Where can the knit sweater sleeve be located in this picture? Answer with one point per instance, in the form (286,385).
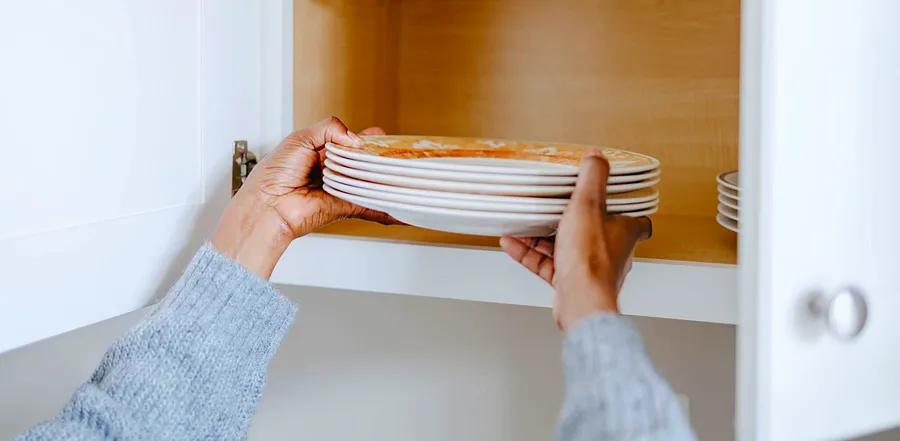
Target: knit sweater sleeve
(613,392)
(194,368)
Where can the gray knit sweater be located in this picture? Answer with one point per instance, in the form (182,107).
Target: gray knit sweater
(195,367)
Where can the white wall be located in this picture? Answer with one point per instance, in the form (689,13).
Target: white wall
(378,367)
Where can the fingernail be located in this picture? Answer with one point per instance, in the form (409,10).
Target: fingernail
(504,241)
(356,139)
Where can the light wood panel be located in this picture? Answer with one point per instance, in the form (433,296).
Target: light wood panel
(345,62)
(687,238)
(656,77)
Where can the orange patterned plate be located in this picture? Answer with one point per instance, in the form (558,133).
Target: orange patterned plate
(487,155)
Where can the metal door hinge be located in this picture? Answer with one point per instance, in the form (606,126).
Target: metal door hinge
(241,165)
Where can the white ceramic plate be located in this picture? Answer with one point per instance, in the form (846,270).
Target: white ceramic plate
(462,187)
(729,202)
(444,202)
(337,155)
(733,194)
(486,155)
(632,197)
(634,177)
(729,180)
(347,180)
(482,223)
(474,165)
(730,224)
(479,188)
(639,213)
(475,205)
(425,173)
(728,212)
(633,209)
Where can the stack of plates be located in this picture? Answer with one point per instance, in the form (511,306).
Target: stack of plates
(729,200)
(481,186)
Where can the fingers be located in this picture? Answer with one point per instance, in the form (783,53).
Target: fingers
(639,228)
(539,244)
(644,227)
(590,189)
(376,216)
(342,209)
(367,131)
(373,131)
(328,130)
(623,233)
(532,255)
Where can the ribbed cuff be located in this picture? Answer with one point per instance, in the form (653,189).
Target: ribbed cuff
(604,342)
(199,359)
(219,298)
(612,389)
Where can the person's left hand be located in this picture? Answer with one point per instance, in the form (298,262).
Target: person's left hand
(282,200)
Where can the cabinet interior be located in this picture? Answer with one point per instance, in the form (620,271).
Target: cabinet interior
(656,77)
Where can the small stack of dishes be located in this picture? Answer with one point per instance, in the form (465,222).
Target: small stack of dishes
(729,200)
(489,187)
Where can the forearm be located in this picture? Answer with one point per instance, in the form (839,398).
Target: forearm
(194,368)
(613,392)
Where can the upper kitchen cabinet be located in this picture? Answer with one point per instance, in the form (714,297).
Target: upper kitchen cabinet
(118,120)
(820,248)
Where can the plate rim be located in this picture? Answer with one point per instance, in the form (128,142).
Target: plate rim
(511,190)
(356,182)
(623,209)
(461,176)
(726,201)
(724,221)
(720,178)
(735,196)
(524,208)
(654,163)
(565,169)
(335,175)
(338,155)
(472,214)
(500,189)
(734,217)
(640,213)
(535,217)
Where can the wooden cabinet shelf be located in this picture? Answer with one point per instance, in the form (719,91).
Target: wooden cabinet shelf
(686,238)
(657,78)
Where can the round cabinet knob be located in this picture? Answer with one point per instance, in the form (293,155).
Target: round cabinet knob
(844,312)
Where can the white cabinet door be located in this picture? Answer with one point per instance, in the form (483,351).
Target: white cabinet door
(116,123)
(820,150)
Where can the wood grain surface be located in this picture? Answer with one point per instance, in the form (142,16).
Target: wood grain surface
(656,77)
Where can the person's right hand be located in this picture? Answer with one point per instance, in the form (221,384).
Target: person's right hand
(588,259)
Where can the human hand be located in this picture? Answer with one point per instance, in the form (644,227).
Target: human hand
(282,200)
(587,261)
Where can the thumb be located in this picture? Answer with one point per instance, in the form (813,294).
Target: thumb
(328,130)
(590,189)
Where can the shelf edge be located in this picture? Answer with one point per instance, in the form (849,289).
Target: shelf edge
(693,291)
